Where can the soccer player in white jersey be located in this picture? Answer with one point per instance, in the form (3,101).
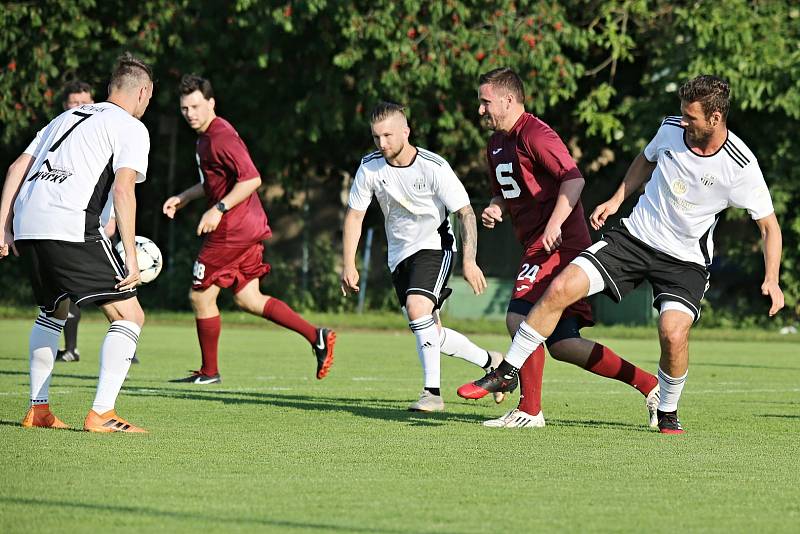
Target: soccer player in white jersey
(694,168)
(50,214)
(417,190)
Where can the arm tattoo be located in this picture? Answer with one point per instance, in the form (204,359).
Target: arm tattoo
(469,233)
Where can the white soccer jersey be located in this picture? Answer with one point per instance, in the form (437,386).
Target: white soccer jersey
(415,201)
(75,160)
(684,198)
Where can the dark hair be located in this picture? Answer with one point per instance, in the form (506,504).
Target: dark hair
(507,79)
(75,86)
(192,82)
(384,110)
(712,92)
(130,71)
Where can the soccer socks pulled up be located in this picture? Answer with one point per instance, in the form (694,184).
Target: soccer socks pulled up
(208,331)
(671,389)
(116,353)
(458,345)
(605,362)
(42,347)
(530,382)
(280,313)
(427,335)
(526,340)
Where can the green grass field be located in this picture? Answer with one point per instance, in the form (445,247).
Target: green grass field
(273,449)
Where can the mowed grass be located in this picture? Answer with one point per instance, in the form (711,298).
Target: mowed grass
(273,449)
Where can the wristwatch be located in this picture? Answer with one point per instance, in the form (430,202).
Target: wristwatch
(221,207)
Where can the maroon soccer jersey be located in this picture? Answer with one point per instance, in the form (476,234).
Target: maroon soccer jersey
(527,167)
(224,161)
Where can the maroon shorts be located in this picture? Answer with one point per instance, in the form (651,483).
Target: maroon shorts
(537,269)
(229,267)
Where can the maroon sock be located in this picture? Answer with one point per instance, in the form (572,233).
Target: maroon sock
(208,334)
(605,362)
(280,313)
(530,382)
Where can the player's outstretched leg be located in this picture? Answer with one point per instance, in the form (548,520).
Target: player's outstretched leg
(118,348)
(43,343)
(457,345)
(528,414)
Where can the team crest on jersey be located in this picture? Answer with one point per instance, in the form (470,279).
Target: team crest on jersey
(420,184)
(708,179)
(679,187)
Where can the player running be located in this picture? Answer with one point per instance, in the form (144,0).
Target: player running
(82,155)
(536,181)
(694,168)
(416,190)
(233,229)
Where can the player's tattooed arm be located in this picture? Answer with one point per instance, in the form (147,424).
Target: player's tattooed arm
(469,249)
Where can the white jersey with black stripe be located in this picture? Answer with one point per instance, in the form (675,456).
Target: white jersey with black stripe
(75,159)
(687,192)
(415,201)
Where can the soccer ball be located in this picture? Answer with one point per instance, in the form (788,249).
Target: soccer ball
(147,255)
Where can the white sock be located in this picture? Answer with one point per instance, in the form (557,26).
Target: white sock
(427,336)
(116,353)
(42,348)
(526,340)
(671,389)
(457,345)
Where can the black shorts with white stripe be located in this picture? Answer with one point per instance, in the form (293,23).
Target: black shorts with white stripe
(83,272)
(426,273)
(625,262)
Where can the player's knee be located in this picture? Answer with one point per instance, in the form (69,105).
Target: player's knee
(673,334)
(417,306)
(560,293)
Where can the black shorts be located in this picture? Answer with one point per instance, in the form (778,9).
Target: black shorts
(82,272)
(624,262)
(425,272)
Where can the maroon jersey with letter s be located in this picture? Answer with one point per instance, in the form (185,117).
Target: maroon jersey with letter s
(224,161)
(527,167)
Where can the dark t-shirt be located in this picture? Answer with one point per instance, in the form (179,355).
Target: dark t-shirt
(224,160)
(527,167)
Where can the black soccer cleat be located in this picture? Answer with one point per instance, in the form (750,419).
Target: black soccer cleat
(68,356)
(668,423)
(199,378)
(492,382)
(323,351)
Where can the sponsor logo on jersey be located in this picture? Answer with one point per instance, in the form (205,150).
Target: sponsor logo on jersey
(708,179)
(49,174)
(420,184)
(496,151)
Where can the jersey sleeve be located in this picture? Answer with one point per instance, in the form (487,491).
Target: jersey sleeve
(751,193)
(131,149)
(31,149)
(550,151)
(651,150)
(232,150)
(449,188)
(360,191)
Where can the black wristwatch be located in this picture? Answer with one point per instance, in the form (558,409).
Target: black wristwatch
(221,207)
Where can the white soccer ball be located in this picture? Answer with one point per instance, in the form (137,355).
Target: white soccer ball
(148,256)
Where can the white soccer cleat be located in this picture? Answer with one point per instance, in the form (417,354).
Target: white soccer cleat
(496,358)
(651,402)
(516,418)
(428,402)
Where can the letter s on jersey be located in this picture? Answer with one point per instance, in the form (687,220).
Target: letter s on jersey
(504,172)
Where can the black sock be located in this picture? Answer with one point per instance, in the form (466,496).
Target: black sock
(488,361)
(506,368)
(71,328)
(434,391)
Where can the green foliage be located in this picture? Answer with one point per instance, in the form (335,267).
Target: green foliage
(298,79)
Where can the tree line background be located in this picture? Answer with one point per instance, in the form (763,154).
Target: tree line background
(298,80)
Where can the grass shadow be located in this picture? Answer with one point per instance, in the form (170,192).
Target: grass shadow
(744,366)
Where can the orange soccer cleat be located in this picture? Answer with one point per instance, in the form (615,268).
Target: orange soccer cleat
(109,422)
(41,416)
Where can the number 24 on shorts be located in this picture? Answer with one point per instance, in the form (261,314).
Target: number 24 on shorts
(528,272)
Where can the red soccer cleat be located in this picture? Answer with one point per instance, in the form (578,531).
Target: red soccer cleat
(492,382)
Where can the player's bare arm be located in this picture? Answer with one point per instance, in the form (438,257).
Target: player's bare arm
(16,173)
(351,234)
(469,250)
(638,173)
(242,190)
(176,202)
(569,193)
(125,213)
(773,247)
(493,213)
